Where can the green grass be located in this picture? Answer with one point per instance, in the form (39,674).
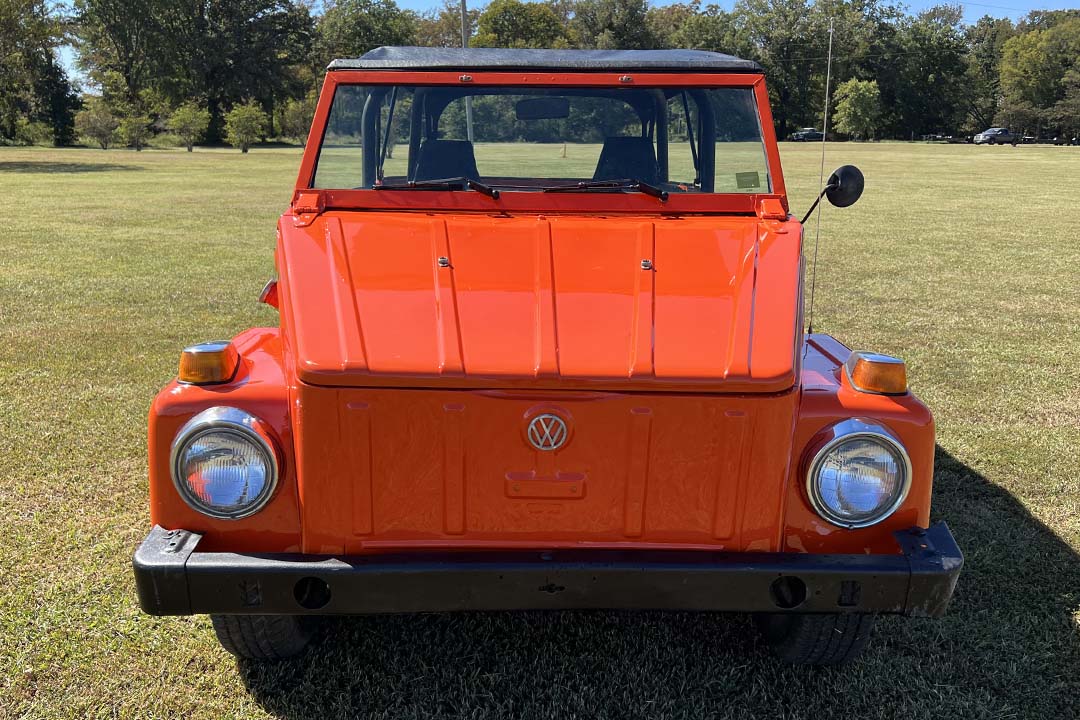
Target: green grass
(963,260)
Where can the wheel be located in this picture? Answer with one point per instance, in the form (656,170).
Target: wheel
(263,637)
(830,639)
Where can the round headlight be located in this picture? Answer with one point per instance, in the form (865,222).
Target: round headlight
(860,476)
(224,463)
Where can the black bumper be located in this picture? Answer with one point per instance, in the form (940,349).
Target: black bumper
(173,578)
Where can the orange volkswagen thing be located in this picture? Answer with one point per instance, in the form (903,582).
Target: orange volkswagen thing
(541,346)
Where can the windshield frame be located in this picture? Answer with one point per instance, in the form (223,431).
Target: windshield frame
(510,200)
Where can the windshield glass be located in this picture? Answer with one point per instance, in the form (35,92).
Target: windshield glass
(684,140)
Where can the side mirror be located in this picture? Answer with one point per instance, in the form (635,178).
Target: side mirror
(845,186)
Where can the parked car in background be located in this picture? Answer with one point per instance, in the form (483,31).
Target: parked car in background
(997,136)
(1065,140)
(806,135)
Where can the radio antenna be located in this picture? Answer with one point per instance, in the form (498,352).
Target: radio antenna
(821,182)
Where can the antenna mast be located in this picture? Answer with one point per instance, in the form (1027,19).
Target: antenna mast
(821,181)
(465,44)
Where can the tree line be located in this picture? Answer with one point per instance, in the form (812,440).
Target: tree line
(242,70)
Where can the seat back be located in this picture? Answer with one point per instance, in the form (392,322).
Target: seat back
(627,157)
(438,159)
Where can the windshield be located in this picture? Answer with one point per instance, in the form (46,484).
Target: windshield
(683,140)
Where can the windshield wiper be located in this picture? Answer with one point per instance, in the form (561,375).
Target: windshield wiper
(456,183)
(627,184)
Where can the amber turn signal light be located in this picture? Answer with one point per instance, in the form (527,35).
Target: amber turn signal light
(208,363)
(874,373)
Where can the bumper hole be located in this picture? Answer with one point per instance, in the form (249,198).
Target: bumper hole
(787,592)
(311,593)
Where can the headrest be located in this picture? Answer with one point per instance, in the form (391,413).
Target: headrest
(627,157)
(438,159)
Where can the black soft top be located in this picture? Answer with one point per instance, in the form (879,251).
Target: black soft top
(429,58)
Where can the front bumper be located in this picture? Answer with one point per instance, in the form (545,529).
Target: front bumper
(173,578)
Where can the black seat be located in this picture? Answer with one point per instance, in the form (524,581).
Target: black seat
(627,158)
(438,159)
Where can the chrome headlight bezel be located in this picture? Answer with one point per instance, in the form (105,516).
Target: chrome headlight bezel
(846,431)
(234,421)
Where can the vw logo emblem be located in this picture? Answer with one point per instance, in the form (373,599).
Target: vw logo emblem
(548,432)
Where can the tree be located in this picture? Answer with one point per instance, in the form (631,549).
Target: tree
(350,28)
(1066,112)
(33,86)
(518,24)
(921,74)
(612,24)
(1018,114)
(713,29)
(97,122)
(666,22)
(858,108)
(53,99)
(245,124)
(25,28)
(1036,70)
(257,49)
(29,132)
(786,37)
(442,27)
(124,37)
(224,51)
(1046,19)
(189,121)
(296,117)
(1028,73)
(985,45)
(933,73)
(790,39)
(135,130)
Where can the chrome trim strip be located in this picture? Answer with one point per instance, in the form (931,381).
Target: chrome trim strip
(238,422)
(850,429)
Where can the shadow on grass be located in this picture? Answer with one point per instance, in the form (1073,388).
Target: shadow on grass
(46,166)
(1009,647)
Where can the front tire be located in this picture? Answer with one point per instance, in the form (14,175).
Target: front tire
(263,637)
(829,639)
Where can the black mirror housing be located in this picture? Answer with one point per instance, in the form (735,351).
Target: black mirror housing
(845,186)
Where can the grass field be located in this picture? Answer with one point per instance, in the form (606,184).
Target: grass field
(964,260)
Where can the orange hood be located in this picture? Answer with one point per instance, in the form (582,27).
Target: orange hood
(609,303)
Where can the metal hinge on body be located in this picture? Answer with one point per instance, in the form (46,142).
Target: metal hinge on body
(771,209)
(306,206)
